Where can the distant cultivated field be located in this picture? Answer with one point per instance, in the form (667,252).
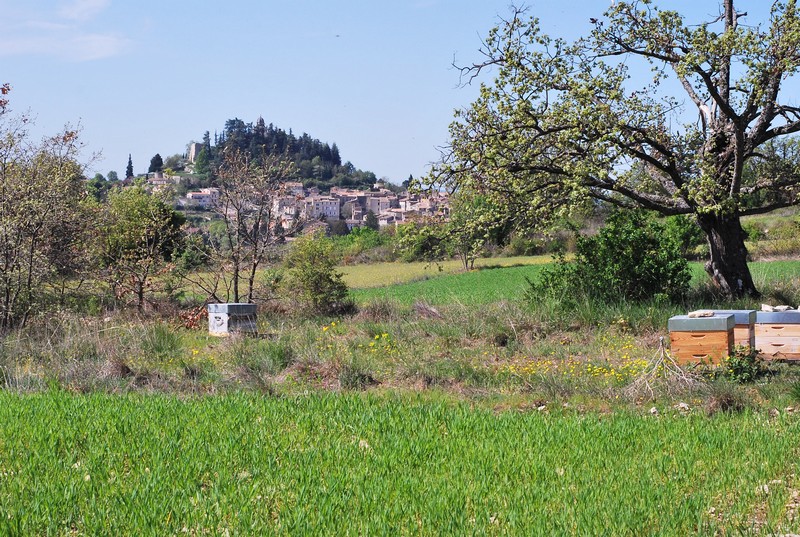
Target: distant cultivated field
(359,464)
(486,285)
(383,274)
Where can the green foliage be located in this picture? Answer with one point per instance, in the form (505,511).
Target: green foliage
(315,163)
(142,224)
(97,187)
(160,342)
(156,164)
(140,235)
(263,357)
(365,238)
(312,279)
(474,223)
(417,241)
(631,258)
(685,232)
(202,163)
(564,124)
(363,244)
(174,162)
(755,231)
(43,219)
(744,365)
(794,391)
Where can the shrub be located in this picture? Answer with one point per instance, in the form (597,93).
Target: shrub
(754,230)
(744,365)
(312,279)
(419,242)
(631,258)
(363,245)
(686,233)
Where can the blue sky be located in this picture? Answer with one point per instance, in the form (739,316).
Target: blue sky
(145,77)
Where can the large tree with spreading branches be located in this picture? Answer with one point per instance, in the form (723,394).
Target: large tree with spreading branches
(705,129)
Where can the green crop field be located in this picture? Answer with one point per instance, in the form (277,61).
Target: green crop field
(376,464)
(488,285)
(476,287)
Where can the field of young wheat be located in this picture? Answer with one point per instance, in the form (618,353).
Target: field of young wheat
(385,464)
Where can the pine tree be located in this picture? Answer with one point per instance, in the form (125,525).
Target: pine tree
(129,169)
(335,157)
(156,164)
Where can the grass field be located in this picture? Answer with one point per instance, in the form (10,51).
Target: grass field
(384,274)
(480,286)
(489,284)
(385,465)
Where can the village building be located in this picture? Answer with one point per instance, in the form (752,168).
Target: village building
(204,198)
(316,207)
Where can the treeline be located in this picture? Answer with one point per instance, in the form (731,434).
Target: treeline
(316,163)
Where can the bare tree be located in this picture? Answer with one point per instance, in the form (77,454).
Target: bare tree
(251,229)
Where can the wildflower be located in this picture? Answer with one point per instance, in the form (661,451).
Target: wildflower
(324,328)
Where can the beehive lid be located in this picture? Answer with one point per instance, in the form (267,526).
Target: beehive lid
(717,323)
(740,316)
(782,317)
(233,308)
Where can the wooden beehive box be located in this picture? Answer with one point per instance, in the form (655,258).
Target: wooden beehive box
(701,339)
(744,332)
(778,334)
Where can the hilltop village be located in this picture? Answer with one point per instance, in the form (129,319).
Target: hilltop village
(353,206)
(292,202)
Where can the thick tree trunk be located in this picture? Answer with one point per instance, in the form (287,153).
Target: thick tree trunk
(728,264)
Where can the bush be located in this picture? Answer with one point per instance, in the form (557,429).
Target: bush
(687,234)
(364,244)
(744,365)
(631,258)
(312,280)
(420,242)
(754,231)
